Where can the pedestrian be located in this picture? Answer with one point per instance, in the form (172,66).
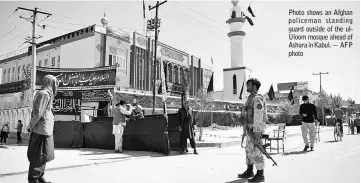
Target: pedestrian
(357,122)
(41,142)
(127,107)
(351,120)
(5,131)
(119,122)
(19,129)
(339,115)
(255,115)
(308,113)
(138,112)
(186,128)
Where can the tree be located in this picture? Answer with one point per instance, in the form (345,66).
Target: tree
(26,84)
(285,109)
(323,100)
(202,101)
(336,100)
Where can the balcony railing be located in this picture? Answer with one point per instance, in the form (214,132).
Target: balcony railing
(14,53)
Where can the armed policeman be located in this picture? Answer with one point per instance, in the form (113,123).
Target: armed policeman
(255,115)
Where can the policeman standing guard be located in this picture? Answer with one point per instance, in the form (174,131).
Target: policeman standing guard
(255,114)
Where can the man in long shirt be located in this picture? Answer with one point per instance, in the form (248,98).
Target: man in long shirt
(187,128)
(119,123)
(41,143)
(19,129)
(255,114)
(308,113)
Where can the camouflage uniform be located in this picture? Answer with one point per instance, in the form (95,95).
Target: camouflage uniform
(256,117)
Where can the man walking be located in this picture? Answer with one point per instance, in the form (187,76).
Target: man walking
(187,128)
(41,143)
(256,117)
(119,123)
(357,122)
(19,129)
(308,113)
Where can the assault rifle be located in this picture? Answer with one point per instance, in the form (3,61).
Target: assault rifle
(252,136)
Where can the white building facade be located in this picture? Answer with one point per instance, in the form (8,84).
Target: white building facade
(90,47)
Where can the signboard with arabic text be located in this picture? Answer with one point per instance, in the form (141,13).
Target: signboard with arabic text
(95,95)
(286,86)
(65,102)
(292,86)
(79,77)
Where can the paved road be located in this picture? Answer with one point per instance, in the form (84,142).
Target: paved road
(330,162)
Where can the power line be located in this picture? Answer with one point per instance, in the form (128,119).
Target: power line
(13,34)
(201,14)
(12,40)
(200,21)
(218,22)
(222,25)
(67,23)
(224,38)
(57,27)
(67,16)
(7,17)
(8,33)
(74,18)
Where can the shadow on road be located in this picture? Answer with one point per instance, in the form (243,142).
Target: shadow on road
(5,147)
(116,158)
(295,153)
(238,181)
(330,141)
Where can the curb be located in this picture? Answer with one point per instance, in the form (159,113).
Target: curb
(238,142)
(81,165)
(217,144)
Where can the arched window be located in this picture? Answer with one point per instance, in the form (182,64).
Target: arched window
(176,74)
(181,70)
(157,70)
(234,84)
(170,73)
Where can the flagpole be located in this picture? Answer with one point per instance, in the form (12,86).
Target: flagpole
(213,89)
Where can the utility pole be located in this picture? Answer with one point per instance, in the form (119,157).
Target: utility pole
(154,24)
(320,73)
(33,50)
(323,109)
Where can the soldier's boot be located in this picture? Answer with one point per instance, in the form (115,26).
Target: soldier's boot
(195,151)
(259,177)
(248,173)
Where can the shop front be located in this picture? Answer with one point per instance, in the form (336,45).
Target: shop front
(82,93)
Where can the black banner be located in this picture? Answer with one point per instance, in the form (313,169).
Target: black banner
(65,102)
(13,87)
(79,77)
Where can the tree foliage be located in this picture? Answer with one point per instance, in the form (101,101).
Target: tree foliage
(323,100)
(202,101)
(285,116)
(26,84)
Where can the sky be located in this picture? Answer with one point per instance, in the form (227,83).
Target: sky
(199,28)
